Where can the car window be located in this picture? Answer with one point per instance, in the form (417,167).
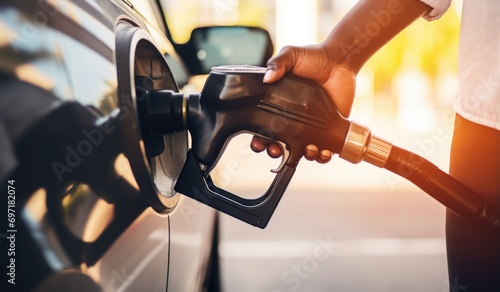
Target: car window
(184,15)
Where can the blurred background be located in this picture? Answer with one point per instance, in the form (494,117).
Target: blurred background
(343,227)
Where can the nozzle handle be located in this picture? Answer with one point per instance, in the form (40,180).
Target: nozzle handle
(193,183)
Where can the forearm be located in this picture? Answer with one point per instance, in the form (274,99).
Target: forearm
(368,26)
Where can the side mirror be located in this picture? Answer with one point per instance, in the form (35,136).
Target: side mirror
(225,45)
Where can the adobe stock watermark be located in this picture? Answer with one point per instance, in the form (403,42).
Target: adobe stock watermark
(293,277)
(119,278)
(480,98)
(226,10)
(75,155)
(483,93)
(92,138)
(372,28)
(277,124)
(426,147)
(30,28)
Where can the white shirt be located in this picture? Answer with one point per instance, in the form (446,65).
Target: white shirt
(478,98)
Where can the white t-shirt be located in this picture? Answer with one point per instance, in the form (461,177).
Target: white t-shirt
(478,98)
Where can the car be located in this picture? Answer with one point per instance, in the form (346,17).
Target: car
(88,193)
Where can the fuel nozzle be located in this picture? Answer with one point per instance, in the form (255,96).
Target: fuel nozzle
(235,100)
(293,111)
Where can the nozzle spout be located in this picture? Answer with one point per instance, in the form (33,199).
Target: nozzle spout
(167,112)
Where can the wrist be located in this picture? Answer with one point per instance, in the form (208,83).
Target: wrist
(342,56)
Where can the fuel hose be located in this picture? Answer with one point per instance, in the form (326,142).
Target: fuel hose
(444,188)
(361,145)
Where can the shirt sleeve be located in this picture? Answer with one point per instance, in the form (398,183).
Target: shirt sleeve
(439,7)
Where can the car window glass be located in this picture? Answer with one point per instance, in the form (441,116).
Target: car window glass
(184,15)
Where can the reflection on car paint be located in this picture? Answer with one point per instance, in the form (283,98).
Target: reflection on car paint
(30,53)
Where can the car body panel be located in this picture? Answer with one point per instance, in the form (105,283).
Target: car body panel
(61,57)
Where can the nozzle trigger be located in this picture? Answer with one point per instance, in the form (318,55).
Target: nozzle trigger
(284,159)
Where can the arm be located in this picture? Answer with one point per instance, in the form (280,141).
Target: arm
(368,26)
(335,62)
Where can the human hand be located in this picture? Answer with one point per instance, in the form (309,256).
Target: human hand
(321,66)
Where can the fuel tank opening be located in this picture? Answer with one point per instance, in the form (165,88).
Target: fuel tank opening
(162,120)
(161,113)
(156,160)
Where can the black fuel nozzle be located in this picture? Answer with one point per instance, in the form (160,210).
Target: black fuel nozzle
(295,112)
(234,100)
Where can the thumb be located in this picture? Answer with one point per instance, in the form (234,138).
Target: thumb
(278,65)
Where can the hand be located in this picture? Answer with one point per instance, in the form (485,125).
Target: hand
(321,66)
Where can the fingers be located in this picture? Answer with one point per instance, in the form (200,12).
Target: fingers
(312,153)
(280,64)
(259,144)
(270,76)
(324,156)
(274,150)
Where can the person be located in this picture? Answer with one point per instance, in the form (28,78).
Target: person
(473,251)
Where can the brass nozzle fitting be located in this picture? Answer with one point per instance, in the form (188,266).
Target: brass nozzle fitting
(361,145)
